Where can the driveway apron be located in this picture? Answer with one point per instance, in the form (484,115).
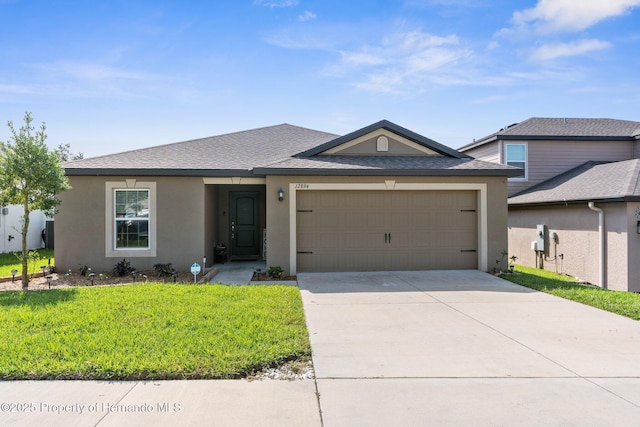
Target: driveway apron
(465,348)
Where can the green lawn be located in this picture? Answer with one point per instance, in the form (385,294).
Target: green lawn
(9,262)
(623,303)
(149,331)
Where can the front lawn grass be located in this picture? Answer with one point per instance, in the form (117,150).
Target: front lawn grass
(10,261)
(149,331)
(623,303)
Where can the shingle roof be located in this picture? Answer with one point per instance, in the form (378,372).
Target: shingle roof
(590,181)
(378,165)
(231,152)
(564,128)
(279,149)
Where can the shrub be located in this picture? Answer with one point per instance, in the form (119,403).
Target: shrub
(84,269)
(163,270)
(275,271)
(123,268)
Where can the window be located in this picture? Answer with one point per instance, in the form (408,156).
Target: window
(382,143)
(516,155)
(132,219)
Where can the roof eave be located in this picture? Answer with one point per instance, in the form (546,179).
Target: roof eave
(157,172)
(502,137)
(386,172)
(563,138)
(574,202)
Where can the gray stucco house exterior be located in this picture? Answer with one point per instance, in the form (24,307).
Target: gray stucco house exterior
(580,181)
(379,198)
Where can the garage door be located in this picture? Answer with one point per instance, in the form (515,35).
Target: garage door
(386,230)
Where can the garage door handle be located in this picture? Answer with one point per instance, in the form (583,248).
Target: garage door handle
(389,238)
(467,250)
(386,238)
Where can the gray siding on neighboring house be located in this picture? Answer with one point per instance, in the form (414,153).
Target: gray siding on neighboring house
(578,240)
(636,149)
(546,159)
(488,152)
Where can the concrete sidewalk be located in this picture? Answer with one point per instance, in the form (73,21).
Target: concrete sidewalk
(465,348)
(159,403)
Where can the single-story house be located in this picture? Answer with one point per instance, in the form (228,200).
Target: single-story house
(380,198)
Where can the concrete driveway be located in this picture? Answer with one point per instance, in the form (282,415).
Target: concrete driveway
(465,348)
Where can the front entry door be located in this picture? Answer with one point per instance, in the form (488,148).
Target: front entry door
(244,209)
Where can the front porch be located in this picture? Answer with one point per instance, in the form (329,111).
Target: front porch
(235,220)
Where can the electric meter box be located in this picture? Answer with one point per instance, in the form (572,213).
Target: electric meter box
(541,238)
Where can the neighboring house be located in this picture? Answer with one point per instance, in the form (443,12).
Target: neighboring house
(11,229)
(380,198)
(568,164)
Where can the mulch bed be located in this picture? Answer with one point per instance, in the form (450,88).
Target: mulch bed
(264,277)
(66,281)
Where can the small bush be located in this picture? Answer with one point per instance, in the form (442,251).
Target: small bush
(275,271)
(123,268)
(84,269)
(163,270)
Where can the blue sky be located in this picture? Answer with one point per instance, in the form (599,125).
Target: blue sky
(109,76)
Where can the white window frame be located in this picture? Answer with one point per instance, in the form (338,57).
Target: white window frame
(526,160)
(110,219)
(128,218)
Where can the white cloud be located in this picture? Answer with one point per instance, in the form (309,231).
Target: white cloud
(90,79)
(570,15)
(307,16)
(95,72)
(558,50)
(18,89)
(493,99)
(400,61)
(276,3)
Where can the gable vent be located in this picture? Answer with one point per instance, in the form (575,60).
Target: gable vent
(382,143)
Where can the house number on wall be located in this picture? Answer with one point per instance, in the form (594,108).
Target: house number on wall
(302,186)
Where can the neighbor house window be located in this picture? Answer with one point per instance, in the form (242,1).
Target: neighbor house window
(131,219)
(516,155)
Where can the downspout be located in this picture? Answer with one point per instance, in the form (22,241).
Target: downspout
(591,205)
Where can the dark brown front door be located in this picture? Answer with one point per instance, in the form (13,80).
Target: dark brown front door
(245,224)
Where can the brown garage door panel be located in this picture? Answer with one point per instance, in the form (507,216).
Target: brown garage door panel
(386,230)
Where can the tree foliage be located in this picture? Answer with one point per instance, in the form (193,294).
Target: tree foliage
(30,176)
(65,154)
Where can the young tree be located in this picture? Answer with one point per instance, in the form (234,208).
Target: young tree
(65,154)
(31,176)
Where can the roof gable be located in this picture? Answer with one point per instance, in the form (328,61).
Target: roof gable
(400,141)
